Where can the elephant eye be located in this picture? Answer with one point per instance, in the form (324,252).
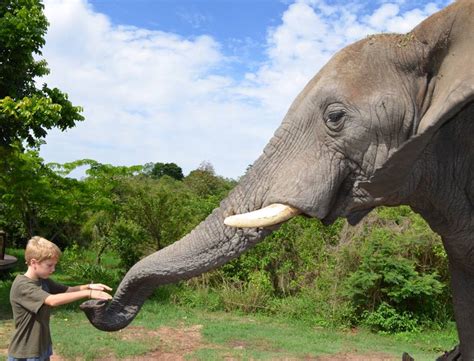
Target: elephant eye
(334,118)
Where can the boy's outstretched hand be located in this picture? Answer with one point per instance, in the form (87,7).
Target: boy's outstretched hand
(98,291)
(100,295)
(98,287)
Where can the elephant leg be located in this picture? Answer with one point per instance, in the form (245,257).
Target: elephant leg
(462,282)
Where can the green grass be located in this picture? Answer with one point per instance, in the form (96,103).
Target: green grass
(74,337)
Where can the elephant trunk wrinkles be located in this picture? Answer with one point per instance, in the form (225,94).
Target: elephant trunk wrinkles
(208,246)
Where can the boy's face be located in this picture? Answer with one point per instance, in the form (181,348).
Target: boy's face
(45,268)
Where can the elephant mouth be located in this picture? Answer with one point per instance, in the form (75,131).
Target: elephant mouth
(353,204)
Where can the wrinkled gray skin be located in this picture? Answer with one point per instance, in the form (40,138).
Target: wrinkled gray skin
(388,121)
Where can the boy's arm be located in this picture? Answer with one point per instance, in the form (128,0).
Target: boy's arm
(68,297)
(77,288)
(90,286)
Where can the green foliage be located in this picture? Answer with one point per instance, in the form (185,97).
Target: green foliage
(388,319)
(133,214)
(29,118)
(158,170)
(248,297)
(384,275)
(395,277)
(200,297)
(290,255)
(127,239)
(22,29)
(35,200)
(162,208)
(396,273)
(29,201)
(26,113)
(205,183)
(77,264)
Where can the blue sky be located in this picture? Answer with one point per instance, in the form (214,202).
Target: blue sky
(224,19)
(240,26)
(196,81)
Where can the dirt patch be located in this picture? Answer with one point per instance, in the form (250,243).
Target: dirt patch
(176,343)
(173,344)
(135,332)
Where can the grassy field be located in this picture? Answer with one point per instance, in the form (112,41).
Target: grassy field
(166,331)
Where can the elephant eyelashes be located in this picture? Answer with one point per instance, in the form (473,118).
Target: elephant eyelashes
(334,120)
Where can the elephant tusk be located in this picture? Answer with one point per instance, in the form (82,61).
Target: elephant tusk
(268,216)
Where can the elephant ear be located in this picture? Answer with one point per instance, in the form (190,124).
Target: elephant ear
(449,58)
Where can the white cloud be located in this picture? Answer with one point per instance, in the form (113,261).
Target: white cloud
(382,14)
(147,95)
(152,96)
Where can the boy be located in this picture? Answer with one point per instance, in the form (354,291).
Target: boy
(33,294)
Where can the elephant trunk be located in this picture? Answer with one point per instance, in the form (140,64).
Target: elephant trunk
(209,245)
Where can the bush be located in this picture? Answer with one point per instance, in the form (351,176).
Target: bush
(397,282)
(128,240)
(76,264)
(248,297)
(386,319)
(204,298)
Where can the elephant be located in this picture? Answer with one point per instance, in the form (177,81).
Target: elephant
(389,120)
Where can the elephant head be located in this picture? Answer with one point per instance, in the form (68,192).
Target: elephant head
(356,137)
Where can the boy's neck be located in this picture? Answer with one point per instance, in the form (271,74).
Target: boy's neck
(31,274)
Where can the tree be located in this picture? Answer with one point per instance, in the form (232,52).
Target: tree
(32,196)
(158,170)
(27,112)
(205,183)
(36,200)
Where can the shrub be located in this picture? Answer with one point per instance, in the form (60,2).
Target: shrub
(128,240)
(203,298)
(396,283)
(76,263)
(387,319)
(247,297)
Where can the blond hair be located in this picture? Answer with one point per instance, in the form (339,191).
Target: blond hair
(41,249)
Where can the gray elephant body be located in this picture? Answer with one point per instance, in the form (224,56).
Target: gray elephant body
(388,121)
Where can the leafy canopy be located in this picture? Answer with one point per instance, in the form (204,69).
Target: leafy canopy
(27,112)
(158,170)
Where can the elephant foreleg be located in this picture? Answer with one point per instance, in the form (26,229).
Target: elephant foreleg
(462,282)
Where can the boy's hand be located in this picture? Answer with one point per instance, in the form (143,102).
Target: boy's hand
(100,295)
(98,287)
